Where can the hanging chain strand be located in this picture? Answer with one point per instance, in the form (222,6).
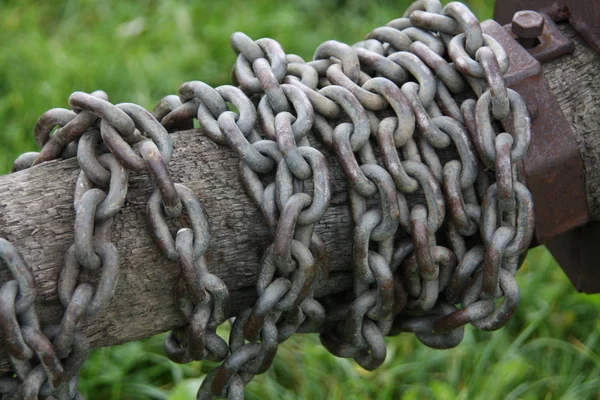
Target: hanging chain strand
(442,217)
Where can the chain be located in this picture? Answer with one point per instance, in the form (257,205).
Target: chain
(111,140)
(442,216)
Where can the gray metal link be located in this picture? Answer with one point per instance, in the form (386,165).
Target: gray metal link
(10,257)
(14,342)
(343,52)
(160,177)
(343,146)
(321,183)
(446,103)
(24,161)
(369,100)
(431,190)
(423,327)
(23,338)
(455,202)
(433,6)
(55,117)
(105,110)
(387,149)
(435,22)
(323,106)
(443,70)
(238,142)
(501,314)
(390,214)
(374,62)
(304,117)
(400,24)
(355,111)
(210,297)
(467,64)
(262,49)
(69,274)
(524,223)
(305,73)
(149,127)
(68,131)
(181,116)
(431,40)
(397,40)
(428,129)
(521,127)
(398,102)
(197,218)
(83,230)
(495,80)
(245,121)
(117,187)
(504,173)
(469,24)
(87,158)
(457,132)
(420,71)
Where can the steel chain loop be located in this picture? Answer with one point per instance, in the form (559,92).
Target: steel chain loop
(112,140)
(436,243)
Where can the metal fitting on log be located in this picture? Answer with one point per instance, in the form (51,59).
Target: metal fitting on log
(583,15)
(553,167)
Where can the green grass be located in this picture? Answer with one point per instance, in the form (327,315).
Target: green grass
(549,350)
(139,52)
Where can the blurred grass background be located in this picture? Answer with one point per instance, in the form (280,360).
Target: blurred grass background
(139,52)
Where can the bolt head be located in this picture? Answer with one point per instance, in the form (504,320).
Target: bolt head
(527,24)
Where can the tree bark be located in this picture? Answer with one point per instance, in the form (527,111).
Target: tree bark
(574,80)
(36,214)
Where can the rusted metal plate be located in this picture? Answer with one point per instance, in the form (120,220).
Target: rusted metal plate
(577,253)
(583,15)
(585,18)
(552,42)
(505,9)
(521,64)
(554,170)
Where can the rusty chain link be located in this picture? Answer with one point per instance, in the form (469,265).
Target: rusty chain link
(111,140)
(442,217)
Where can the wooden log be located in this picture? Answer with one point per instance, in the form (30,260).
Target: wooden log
(36,214)
(574,81)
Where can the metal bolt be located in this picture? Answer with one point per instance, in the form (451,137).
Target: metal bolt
(527,26)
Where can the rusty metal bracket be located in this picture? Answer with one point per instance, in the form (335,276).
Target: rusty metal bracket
(556,182)
(583,15)
(552,42)
(577,253)
(553,166)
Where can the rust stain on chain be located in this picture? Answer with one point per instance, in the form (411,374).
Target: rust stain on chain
(553,165)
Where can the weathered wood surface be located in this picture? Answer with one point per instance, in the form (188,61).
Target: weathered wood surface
(36,214)
(576,84)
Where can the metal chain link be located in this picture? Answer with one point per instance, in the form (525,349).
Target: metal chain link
(442,217)
(110,141)
(292,204)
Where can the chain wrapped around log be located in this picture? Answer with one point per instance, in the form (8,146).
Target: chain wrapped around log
(292,232)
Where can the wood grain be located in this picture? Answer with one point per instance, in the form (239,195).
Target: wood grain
(37,216)
(576,84)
